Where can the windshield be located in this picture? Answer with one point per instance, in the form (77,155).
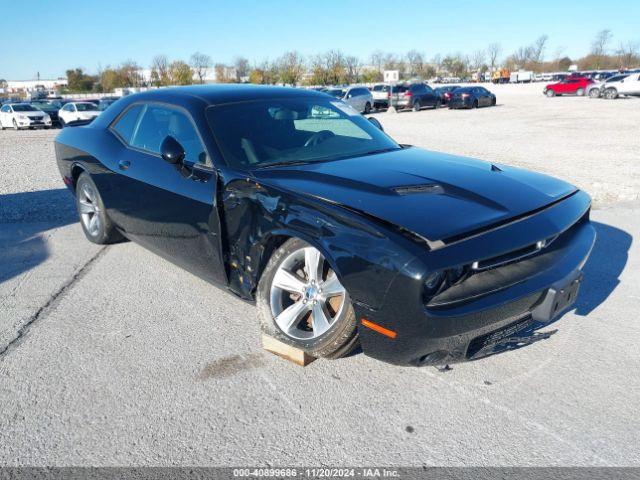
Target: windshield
(19,107)
(287,131)
(335,92)
(85,107)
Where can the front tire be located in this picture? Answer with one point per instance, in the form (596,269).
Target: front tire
(594,93)
(416,106)
(96,224)
(367,108)
(551,93)
(15,125)
(301,302)
(580,92)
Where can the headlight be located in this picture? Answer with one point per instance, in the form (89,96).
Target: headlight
(46,118)
(433,282)
(22,117)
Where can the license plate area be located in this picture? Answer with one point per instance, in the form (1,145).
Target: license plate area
(558,299)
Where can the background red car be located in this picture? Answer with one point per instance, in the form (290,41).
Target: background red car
(572,85)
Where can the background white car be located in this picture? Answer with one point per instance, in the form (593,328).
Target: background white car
(23,115)
(595,90)
(78,111)
(628,85)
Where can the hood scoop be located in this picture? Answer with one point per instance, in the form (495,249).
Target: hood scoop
(432,188)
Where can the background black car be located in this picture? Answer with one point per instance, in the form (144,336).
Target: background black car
(105,102)
(415,96)
(50,107)
(472,97)
(445,93)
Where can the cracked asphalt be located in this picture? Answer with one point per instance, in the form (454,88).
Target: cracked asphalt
(113,356)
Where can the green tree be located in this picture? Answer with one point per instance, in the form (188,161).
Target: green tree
(78,81)
(180,73)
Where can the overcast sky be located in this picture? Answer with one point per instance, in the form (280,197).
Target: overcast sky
(51,36)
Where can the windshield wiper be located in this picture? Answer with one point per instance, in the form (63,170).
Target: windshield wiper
(380,150)
(284,164)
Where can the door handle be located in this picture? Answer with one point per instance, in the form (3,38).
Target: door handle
(124,164)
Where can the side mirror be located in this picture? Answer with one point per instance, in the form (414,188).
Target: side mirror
(171,151)
(376,123)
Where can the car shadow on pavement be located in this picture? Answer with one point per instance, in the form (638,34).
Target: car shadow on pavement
(601,277)
(24,217)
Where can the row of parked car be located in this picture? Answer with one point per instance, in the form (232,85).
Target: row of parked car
(611,87)
(47,113)
(414,96)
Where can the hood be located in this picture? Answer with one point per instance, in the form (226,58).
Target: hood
(434,195)
(33,114)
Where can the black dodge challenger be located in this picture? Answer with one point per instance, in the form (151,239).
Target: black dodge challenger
(293,200)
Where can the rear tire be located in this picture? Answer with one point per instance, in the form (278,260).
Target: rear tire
(96,224)
(610,94)
(287,285)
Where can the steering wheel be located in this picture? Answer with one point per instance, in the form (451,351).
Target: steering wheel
(318,138)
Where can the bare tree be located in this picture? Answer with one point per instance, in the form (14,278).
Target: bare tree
(241,65)
(538,48)
(290,68)
(629,54)
(415,62)
(600,43)
(377,60)
(352,67)
(200,63)
(477,60)
(493,51)
(160,70)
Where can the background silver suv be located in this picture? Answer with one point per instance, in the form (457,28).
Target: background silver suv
(359,98)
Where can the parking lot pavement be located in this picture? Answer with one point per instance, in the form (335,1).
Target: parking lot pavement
(112,356)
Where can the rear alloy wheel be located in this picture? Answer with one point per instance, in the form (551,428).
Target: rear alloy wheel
(416,106)
(610,94)
(550,93)
(580,92)
(367,108)
(96,225)
(302,302)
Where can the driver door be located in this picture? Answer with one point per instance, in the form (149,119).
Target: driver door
(169,210)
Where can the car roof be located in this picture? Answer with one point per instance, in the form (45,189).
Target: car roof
(228,93)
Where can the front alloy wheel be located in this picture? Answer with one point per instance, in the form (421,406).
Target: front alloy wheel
(303,302)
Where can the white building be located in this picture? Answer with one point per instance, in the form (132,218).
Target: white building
(14,86)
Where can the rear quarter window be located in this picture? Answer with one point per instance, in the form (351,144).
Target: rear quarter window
(125,125)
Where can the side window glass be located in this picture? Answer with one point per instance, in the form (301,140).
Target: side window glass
(125,125)
(159,122)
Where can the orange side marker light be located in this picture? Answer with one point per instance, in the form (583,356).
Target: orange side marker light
(378,328)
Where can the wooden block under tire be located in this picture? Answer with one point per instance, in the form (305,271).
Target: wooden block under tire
(293,354)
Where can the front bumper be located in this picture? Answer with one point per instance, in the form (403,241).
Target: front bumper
(31,123)
(455,331)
